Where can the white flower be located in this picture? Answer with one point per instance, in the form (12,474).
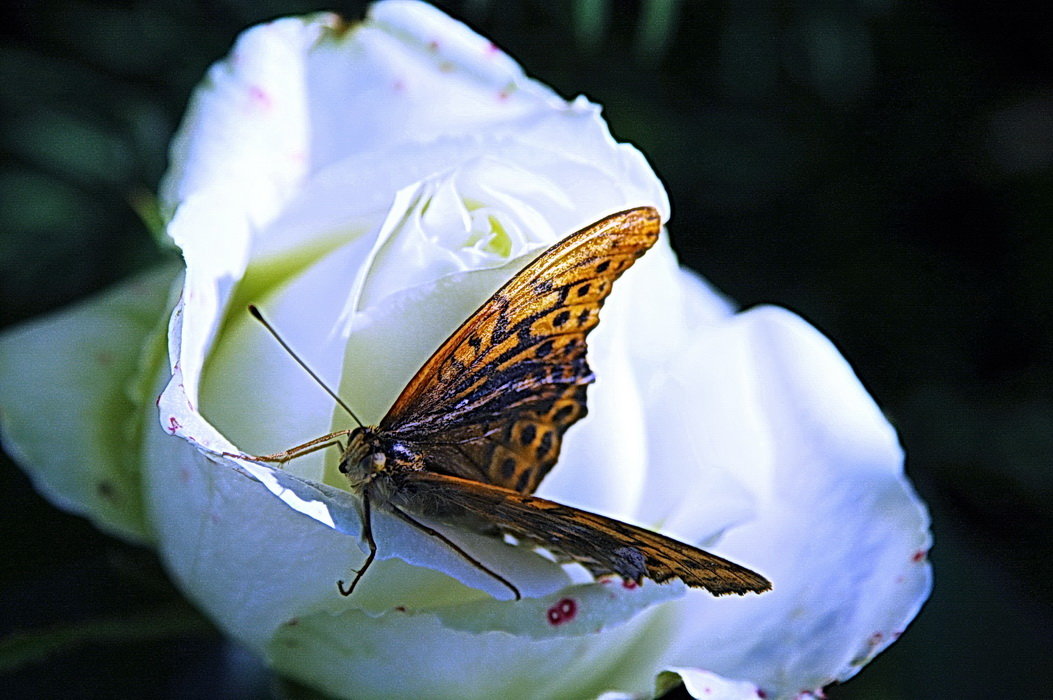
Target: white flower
(368,186)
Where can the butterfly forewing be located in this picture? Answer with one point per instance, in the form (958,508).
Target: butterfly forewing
(493,402)
(602,544)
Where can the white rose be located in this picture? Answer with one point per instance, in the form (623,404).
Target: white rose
(368,186)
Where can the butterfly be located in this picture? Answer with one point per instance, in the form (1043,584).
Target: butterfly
(481,423)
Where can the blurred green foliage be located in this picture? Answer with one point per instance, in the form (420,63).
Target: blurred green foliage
(883,168)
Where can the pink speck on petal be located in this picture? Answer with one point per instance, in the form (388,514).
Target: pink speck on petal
(875,639)
(919,556)
(433,45)
(399,86)
(761,693)
(492,49)
(260,97)
(563,611)
(173,424)
(629,585)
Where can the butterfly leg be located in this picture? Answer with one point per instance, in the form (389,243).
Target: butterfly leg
(367,533)
(306,448)
(455,547)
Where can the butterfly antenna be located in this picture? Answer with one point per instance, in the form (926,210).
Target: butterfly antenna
(270,329)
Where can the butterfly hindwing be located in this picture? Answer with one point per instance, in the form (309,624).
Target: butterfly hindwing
(493,402)
(604,545)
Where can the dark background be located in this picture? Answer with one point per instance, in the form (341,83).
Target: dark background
(882,168)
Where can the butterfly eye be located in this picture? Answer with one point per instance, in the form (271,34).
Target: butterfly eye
(343,467)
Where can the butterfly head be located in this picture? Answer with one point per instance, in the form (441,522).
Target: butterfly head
(364,457)
(372,452)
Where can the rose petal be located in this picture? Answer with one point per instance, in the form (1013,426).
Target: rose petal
(704,684)
(276,112)
(69,387)
(408,654)
(277,109)
(231,546)
(837,528)
(246,130)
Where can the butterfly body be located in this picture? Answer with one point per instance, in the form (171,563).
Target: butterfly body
(481,423)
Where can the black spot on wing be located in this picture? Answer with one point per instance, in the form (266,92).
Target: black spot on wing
(523,482)
(563,413)
(544,349)
(544,446)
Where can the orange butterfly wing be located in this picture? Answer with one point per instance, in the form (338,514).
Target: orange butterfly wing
(492,403)
(604,545)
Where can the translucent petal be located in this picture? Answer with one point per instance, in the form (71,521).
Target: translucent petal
(70,387)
